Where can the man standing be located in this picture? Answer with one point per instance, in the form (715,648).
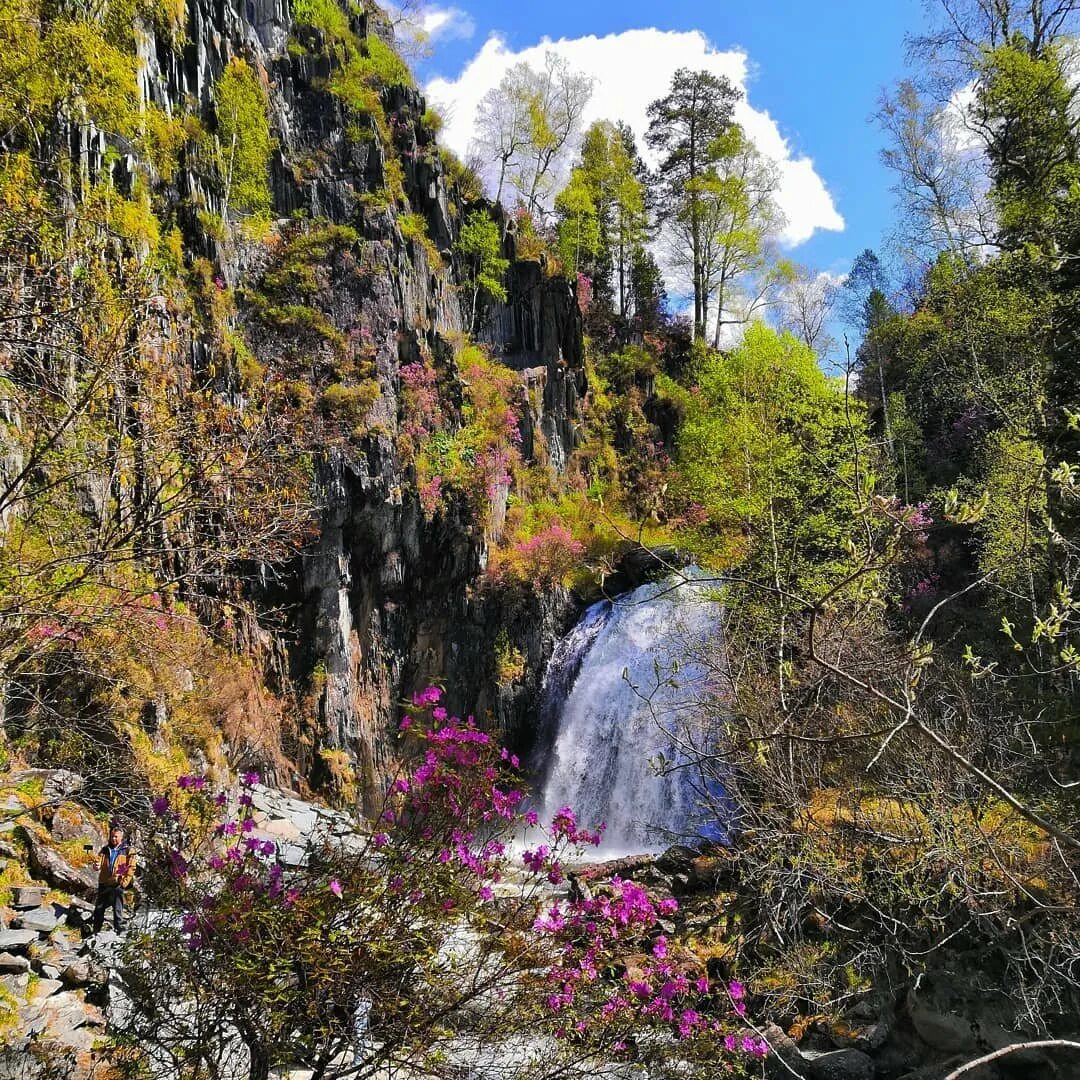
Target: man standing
(116,872)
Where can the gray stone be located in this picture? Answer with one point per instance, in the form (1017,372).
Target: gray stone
(45,988)
(16,940)
(41,920)
(27,896)
(840,1065)
(62,940)
(16,984)
(54,868)
(84,972)
(8,962)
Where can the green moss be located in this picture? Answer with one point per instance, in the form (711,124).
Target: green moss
(414,228)
(382,65)
(349,405)
(295,271)
(244,143)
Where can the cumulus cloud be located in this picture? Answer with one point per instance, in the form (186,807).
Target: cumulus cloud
(446,24)
(631,69)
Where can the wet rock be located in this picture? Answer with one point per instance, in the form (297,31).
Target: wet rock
(840,1065)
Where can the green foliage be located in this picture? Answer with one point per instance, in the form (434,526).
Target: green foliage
(1028,104)
(474,462)
(324,15)
(479,246)
(349,405)
(244,143)
(469,186)
(415,229)
(602,219)
(766,451)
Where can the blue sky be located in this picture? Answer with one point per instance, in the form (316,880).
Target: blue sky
(812,72)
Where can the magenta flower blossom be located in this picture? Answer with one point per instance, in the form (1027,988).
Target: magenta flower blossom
(659,948)
(249,779)
(160,806)
(430,696)
(335,886)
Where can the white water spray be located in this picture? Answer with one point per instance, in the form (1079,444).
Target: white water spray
(620,703)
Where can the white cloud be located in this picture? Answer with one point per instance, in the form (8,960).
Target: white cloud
(630,70)
(446,24)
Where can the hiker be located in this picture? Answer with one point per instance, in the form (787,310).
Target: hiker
(116,872)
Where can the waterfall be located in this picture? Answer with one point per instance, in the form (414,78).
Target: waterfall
(619,704)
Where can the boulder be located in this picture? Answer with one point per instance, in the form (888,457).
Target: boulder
(17,940)
(72,823)
(82,971)
(840,1065)
(12,963)
(41,920)
(949,1014)
(27,896)
(45,988)
(783,1047)
(54,868)
(56,784)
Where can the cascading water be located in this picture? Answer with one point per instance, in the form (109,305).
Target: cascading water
(618,712)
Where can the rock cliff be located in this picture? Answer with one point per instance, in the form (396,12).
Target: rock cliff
(349,276)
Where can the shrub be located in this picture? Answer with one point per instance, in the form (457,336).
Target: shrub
(324,15)
(349,404)
(548,558)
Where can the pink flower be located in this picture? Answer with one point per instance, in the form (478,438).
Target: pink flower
(335,886)
(660,947)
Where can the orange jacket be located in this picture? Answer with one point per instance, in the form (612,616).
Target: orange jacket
(122,870)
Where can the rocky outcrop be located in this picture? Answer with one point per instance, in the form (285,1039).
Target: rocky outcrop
(385,599)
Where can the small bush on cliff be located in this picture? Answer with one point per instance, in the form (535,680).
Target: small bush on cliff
(324,15)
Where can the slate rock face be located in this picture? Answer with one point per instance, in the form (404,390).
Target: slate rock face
(387,600)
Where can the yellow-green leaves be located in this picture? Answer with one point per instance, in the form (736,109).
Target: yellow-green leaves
(244,143)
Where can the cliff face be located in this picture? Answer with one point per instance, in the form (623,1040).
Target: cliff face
(386,599)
